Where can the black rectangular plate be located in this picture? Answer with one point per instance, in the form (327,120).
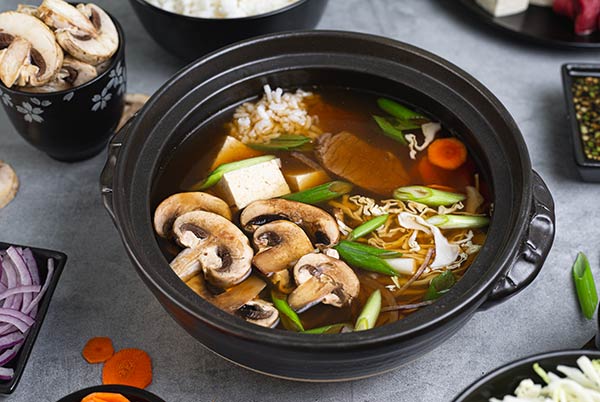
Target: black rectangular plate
(588,169)
(41,257)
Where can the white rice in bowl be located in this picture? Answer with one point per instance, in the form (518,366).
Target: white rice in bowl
(221,8)
(276,113)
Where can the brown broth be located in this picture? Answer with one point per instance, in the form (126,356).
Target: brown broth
(352,112)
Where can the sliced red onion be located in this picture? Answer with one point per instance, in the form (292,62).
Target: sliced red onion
(10,340)
(6,374)
(33,268)
(11,279)
(19,290)
(18,314)
(20,324)
(22,271)
(9,354)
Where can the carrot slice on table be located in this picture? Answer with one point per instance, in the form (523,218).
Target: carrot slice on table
(105,397)
(128,367)
(447,153)
(98,350)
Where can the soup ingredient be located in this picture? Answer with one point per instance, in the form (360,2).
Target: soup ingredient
(104,397)
(9,184)
(98,350)
(322,193)
(218,248)
(503,8)
(397,110)
(280,245)
(178,204)
(216,175)
(348,156)
(458,221)
(20,297)
(370,312)
(329,329)
(368,227)
(390,130)
(585,286)
(306,179)
(275,114)
(131,367)
(586,99)
(474,200)
(323,279)
(579,384)
(221,8)
(237,296)
(32,56)
(258,182)
(233,150)
(440,285)
(321,227)
(447,153)
(285,142)
(366,249)
(428,196)
(429,130)
(260,312)
(86,32)
(368,261)
(286,311)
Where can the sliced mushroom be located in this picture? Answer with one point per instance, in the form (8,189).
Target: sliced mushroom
(179,204)
(72,74)
(9,184)
(28,9)
(280,245)
(260,312)
(86,32)
(223,251)
(187,264)
(34,64)
(320,226)
(323,279)
(283,281)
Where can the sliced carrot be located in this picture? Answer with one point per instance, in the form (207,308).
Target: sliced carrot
(98,350)
(105,397)
(128,367)
(447,153)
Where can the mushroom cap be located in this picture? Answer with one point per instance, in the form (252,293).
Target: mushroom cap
(181,203)
(225,255)
(259,312)
(91,48)
(61,15)
(320,226)
(280,245)
(45,57)
(323,279)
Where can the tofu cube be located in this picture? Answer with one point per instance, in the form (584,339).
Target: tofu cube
(259,182)
(299,181)
(233,150)
(502,8)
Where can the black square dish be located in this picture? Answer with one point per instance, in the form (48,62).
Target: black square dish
(41,258)
(588,169)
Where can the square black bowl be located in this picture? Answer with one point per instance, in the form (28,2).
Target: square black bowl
(588,169)
(41,257)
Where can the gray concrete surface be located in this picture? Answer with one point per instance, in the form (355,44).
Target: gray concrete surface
(59,207)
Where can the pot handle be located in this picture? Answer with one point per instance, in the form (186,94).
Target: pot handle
(106,177)
(534,248)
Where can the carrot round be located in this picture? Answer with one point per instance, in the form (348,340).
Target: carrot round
(447,153)
(131,367)
(105,397)
(98,350)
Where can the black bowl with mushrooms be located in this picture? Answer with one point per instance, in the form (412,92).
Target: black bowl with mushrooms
(191,37)
(72,116)
(519,238)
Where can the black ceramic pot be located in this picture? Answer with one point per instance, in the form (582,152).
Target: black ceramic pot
(131,393)
(75,124)
(519,237)
(191,37)
(504,381)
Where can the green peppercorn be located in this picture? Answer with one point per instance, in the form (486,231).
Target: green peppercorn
(587,111)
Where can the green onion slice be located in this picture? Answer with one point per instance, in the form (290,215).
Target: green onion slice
(370,312)
(397,110)
(368,227)
(217,174)
(285,142)
(428,196)
(367,249)
(389,130)
(440,285)
(459,221)
(585,286)
(366,261)
(322,193)
(327,329)
(284,309)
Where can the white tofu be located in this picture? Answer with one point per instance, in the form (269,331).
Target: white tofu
(543,3)
(300,181)
(502,8)
(233,150)
(259,182)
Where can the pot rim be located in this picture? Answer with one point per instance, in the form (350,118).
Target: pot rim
(445,308)
(257,17)
(537,358)
(115,59)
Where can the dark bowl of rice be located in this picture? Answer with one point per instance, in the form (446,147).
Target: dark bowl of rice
(189,37)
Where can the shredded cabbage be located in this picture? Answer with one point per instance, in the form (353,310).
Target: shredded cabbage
(580,385)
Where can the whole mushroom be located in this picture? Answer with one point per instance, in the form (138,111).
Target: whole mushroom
(30,55)
(216,247)
(323,279)
(318,224)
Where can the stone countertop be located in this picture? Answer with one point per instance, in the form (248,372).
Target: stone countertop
(59,207)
